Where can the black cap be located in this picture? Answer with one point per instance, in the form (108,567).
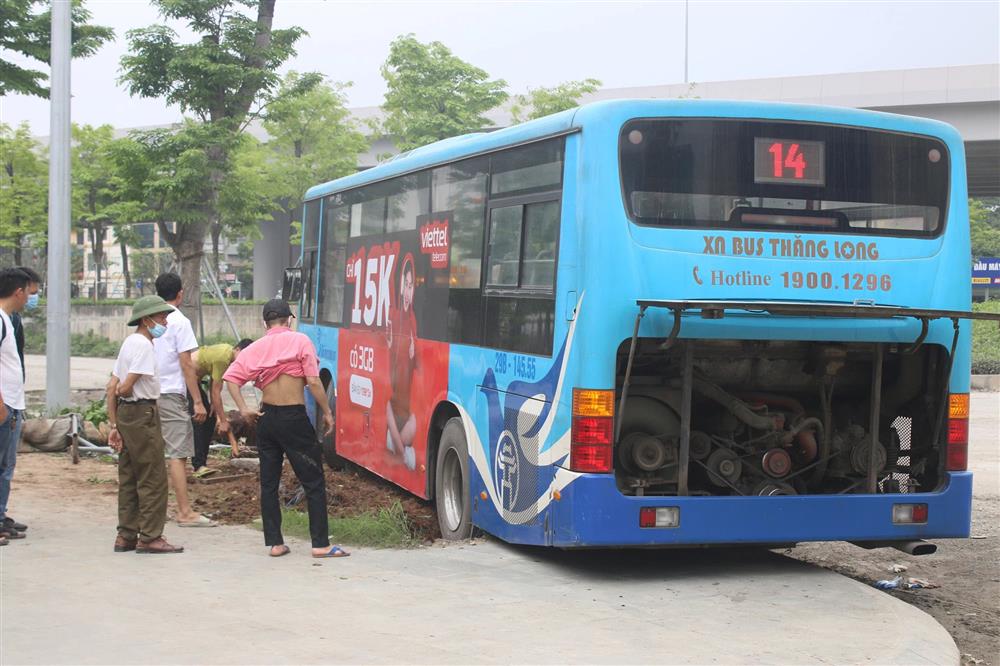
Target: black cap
(276,309)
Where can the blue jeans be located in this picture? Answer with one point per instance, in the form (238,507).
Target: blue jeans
(10,435)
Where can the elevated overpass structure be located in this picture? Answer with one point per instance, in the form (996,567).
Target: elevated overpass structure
(966,96)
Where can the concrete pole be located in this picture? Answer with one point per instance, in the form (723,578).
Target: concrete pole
(57,315)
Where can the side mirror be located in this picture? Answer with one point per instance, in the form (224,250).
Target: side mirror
(291,287)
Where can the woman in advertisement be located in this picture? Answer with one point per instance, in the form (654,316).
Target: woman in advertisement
(401,339)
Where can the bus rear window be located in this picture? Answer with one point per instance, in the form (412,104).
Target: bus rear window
(749,174)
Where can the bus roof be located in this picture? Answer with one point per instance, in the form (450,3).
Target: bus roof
(616,112)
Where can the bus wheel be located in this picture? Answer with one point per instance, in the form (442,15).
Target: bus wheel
(451,483)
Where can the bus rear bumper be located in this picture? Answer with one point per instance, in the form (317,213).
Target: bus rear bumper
(593,513)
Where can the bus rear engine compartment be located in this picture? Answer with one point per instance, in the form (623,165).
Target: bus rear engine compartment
(779,418)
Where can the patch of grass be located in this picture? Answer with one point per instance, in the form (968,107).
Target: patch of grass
(385,528)
(97,480)
(986,341)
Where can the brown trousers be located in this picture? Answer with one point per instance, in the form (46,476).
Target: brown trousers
(142,476)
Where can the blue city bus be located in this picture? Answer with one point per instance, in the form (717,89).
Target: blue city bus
(657,323)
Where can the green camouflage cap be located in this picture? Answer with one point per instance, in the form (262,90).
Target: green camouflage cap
(148,306)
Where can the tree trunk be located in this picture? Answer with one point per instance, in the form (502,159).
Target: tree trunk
(128,278)
(97,243)
(17,249)
(216,233)
(189,248)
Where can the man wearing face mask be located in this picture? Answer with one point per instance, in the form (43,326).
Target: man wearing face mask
(13,298)
(34,282)
(132,396)
(178,380)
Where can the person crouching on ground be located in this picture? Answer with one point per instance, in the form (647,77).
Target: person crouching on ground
(211,362)
(282,364)
(135,434)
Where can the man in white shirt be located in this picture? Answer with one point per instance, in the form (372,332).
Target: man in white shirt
(178,379)
(13,298)
(135,434)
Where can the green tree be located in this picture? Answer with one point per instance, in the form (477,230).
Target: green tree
(26,29)
(225,77)
(433,94)
(247,194)
(97,188)
(984,227)
(540,102)
(312,140)
(23,189)
(166,174)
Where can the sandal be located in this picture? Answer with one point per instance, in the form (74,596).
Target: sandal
(202,521)
(335,551)
(282,550)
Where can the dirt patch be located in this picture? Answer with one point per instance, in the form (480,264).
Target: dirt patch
(349,492)
(967,603)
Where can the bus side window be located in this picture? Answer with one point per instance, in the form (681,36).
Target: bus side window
(310,247)
(336,224)
(461,189)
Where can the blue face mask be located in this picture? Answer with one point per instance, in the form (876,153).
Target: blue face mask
(156,330)
(32,301)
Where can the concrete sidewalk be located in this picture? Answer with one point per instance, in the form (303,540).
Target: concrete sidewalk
(67,598)
(85,372)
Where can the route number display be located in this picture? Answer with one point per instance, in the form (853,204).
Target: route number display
(788,161)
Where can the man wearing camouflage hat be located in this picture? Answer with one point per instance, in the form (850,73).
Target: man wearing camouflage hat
(135,433)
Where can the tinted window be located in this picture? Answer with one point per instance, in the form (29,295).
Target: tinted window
(336,221)
(795,176)
(407,198)
(533,168)
(505,246)
(310,240)
(541,232)
(461,190)
(520,324)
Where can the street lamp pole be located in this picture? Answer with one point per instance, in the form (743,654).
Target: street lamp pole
(57,283)
(685,41)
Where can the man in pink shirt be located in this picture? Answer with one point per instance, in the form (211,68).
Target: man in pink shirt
(282,364)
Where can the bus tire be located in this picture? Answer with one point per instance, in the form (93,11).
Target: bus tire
(451,483)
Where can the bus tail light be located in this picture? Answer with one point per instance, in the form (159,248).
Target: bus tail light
(593,424)
(958,432)
(909,513)
(663,516)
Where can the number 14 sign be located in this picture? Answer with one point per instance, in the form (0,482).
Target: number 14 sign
(788,161)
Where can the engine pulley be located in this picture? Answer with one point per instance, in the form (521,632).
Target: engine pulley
(724,465)
(776,463)
(773,488)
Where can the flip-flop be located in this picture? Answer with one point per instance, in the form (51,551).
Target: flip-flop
(284,551)
(335,551)
(201,522)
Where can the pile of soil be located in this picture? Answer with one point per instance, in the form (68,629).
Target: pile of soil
(349,492)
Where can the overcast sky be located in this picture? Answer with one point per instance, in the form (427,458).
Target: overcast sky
(532,44)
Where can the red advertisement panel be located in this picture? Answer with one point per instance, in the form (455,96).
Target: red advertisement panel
(389,376)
